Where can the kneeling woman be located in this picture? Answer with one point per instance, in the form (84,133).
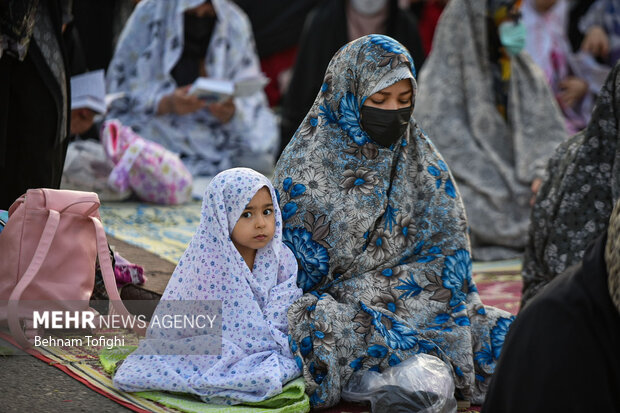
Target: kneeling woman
(379,231)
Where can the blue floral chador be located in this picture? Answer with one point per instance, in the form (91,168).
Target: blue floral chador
(380,236)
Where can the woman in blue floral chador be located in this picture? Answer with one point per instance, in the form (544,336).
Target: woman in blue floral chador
(379,231)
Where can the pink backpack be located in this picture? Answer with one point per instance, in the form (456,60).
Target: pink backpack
(47,256)
(154,173)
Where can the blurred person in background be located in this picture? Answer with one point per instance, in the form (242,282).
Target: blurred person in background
(492,116)
(329,26)
(277,26)
(574,78)
(576,199)
(427,12)
(34,97)
(164,48)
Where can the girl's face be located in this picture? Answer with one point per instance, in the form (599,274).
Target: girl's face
(393,97)
(256,226)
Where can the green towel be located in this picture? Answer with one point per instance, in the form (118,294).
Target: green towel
(293,398)
(109,357)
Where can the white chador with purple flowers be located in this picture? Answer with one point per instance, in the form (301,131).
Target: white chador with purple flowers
(255,360)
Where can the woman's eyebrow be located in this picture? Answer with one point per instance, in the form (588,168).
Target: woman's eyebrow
(405,92)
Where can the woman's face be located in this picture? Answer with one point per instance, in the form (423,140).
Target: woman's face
(205,9)
(397,96)
(507,13)
(543,6)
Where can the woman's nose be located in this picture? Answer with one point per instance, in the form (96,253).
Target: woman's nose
(392,105)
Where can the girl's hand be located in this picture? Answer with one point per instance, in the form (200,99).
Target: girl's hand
(223,111)
(180,102)
(596,42)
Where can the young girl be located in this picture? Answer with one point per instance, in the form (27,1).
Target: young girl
(236,257)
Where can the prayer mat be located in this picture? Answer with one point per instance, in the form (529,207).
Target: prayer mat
(292,399)
(499,283)
(161,230)
(166,231)
(187,404)
(83,364)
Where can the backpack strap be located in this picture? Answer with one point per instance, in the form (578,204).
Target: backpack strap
(33,268)
(108,274)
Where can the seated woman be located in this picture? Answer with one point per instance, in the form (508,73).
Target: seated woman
(575,78)
(600,26)
(164,47)
(328,27)
(492,116)
(574,203)
(236,258)
(379,231)
(561,354)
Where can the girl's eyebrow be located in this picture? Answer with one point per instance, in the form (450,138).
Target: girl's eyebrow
(406,92)
(251,208)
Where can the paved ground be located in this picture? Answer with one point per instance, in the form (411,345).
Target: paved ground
(29,385)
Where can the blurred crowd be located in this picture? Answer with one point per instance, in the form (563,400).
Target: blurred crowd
(490,124)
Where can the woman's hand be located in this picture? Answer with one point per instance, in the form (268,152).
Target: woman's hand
(572,90)
(180,102)
(536,184)
(223,111)
(596,42)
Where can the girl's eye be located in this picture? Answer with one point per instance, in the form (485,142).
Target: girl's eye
(404,102)
(268,212)
(246,214)
(377,102)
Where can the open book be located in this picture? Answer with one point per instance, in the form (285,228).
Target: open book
(88,91)
(216,90)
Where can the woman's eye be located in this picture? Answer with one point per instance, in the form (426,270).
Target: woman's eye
(377,102)
(246,214)
(268,212)
(406,101)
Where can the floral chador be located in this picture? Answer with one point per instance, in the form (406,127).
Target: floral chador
(380,237)
(574,203)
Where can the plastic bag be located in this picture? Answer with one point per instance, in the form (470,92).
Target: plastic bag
(87,169)
(422,383)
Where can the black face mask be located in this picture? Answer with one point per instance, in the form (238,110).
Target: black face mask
(384,126)
(197,33)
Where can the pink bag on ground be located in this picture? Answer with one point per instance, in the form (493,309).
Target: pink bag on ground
(154,173)
(47,255)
